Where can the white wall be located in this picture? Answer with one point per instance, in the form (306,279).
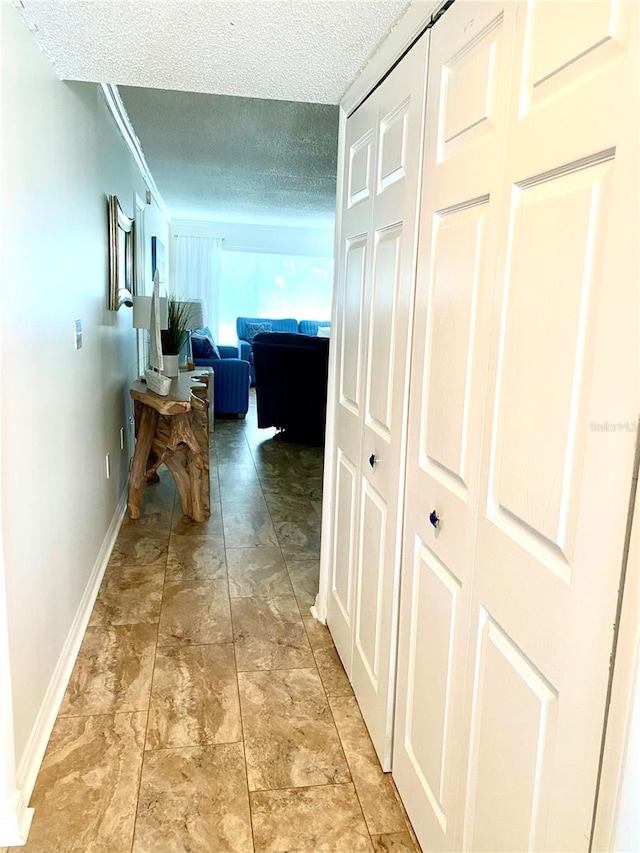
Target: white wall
(61,409)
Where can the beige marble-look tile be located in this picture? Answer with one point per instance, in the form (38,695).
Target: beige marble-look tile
(309,488)
(194,799)
(212,526)
(230,472)
(194,612)
(196,558)
(257,573)
(304,576)
(394,842)
(299,538)
(327,819)
(159,496)
(287,507)
(86,792)
(247,530)
(128,596)
(334,678)
(269,634)
(194,697)
(154,520)
(140,548)
(318,634)
(113,670)
(290,737)
(381,808)
(243,501)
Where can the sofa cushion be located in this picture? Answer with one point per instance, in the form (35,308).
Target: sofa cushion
(203,345)
(254,329)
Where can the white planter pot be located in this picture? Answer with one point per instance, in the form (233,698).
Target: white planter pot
(170,365)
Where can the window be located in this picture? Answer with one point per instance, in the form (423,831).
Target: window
(254,284)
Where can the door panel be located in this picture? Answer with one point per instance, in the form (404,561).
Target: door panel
(434,611)
(345,532)
(471,52)
(471,85)
(369,630)
(554,494)
(515,775)
(388,307)
(383,339)
(459,237)
(565,52)
(375,298)
(351,321)
(394,146)
(354,263)
(549,285)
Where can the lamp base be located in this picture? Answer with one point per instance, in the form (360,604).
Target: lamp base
(171,366)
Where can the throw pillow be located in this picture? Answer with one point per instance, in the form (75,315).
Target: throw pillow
(324,332)
(254,329)
(203,345)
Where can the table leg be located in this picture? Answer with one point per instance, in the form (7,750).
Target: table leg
(146,420)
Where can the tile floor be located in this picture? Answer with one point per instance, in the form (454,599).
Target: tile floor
(208,711)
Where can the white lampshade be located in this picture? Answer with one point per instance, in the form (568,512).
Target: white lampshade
(193,313)
(142,312)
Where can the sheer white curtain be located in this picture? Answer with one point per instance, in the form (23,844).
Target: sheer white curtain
(198,274)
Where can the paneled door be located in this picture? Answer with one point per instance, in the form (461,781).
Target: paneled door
(535,601)
(469,72)
(375,303)
(555,480)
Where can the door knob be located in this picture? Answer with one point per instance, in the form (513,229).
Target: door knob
(373,460)
(433,518)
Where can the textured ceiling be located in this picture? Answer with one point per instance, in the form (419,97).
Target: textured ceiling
(238,159)
(294,50)
(246,131)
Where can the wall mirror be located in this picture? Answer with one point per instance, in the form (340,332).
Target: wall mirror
(120,256)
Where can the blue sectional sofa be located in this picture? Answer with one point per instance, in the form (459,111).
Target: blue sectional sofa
(248,327)
(291,384)
(230,381)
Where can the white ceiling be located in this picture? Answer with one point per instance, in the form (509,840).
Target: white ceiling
(292,50)
(238,159)
(254,156)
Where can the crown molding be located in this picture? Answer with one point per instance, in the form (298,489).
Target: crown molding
(119,113)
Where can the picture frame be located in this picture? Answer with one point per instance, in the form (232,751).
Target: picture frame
(120,256)
(157,258)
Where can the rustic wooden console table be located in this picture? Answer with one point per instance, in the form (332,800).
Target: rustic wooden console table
(174,430)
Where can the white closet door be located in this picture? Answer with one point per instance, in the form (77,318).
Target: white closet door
(469,72)
(388,310)
(555,482)
(358,194)
(374,311)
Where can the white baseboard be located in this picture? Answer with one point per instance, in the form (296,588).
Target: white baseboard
(27,772)
(15,821)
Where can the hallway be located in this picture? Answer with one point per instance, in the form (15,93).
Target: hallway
(208,711)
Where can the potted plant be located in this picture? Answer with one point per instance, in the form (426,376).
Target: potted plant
(175,336)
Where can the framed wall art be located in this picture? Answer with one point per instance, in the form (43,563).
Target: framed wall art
(120,256)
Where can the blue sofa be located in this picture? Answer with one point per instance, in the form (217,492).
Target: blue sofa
(230,381)
(289,324)
(291,384)
(310,327)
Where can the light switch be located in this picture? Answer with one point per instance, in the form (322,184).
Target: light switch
(78,333)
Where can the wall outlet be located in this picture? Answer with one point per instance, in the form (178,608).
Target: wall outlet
(107,465)
(121,438)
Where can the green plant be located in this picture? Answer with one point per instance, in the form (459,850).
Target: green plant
(176,336)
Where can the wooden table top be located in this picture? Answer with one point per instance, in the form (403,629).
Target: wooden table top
(178,400)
